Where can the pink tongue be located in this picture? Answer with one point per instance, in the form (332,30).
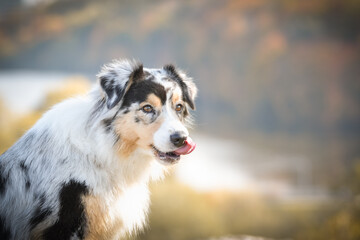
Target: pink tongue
(187,148)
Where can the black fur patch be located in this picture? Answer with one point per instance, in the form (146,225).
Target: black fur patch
(171,71)
(40,213)
(3,180)
(39,216)
(27,185)
(71,214)
(4,232)
(112,86)
(137,74)
(113,91)
(25,169)
(107,124)
(139,92)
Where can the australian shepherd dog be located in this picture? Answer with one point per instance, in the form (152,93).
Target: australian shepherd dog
(82,171)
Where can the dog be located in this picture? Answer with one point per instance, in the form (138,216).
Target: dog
(82,171)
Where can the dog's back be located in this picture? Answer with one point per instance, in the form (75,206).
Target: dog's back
(40,188)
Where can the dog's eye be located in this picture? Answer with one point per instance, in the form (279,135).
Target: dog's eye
(179,108)
(148,109)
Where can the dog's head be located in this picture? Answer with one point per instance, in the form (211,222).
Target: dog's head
(149,108)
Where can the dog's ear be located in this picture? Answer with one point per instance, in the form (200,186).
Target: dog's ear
(191,90)
(187,85)
(116,78)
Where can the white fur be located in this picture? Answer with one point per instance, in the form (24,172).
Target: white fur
(170,125)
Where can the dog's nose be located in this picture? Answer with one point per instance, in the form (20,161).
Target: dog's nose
(178,139)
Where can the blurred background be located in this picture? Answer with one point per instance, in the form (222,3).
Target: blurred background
(278,112)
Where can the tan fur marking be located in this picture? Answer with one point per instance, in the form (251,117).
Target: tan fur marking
(175,98)
(100,224)
(132,134)
(154,100)
(124,127)
(146,133)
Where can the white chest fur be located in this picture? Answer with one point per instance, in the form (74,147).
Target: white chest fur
(123,207)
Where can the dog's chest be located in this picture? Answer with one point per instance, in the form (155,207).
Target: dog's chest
(111,215)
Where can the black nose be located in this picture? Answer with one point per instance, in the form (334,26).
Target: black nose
(178,139)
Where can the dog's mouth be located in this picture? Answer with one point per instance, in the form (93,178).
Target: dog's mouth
(173,157)
(168,157)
